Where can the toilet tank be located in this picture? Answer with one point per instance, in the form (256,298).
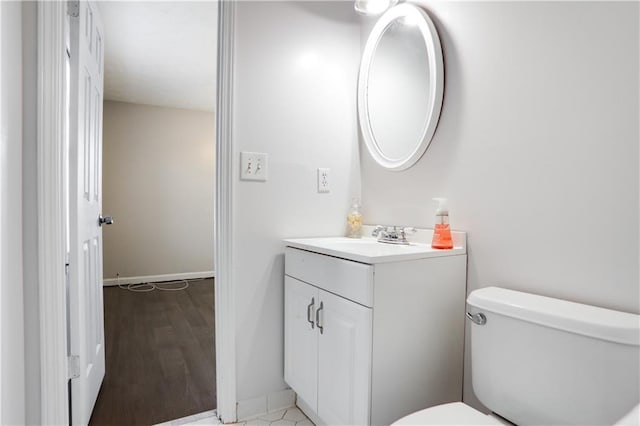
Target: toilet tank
(539,360)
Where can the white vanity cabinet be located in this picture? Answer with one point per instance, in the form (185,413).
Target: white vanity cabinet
(367,343)
(334,383)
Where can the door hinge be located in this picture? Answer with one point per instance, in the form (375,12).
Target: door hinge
(73,8)
(73,367)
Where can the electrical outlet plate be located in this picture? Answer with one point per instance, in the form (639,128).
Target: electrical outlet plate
(253,166)
(323,180)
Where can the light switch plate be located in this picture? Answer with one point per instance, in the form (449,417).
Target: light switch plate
(324,180)
(253,166)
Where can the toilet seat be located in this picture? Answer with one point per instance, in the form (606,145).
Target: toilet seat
(455,413)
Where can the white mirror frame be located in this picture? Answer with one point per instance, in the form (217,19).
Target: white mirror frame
(436,73)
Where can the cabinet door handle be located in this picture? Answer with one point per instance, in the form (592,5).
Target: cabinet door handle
(309,312)
(320,327)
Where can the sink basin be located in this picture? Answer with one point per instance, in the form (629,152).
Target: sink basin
(369,250)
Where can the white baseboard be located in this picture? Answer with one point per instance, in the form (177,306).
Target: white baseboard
(158,278)
(255,407)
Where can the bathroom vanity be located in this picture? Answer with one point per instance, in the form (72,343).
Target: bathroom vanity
(373,331)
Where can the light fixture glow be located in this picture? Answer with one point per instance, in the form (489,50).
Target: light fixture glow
(308,60)
(373,7)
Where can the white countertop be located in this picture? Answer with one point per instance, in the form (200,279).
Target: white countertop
(369,250)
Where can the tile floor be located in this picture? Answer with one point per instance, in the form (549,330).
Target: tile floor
(287,417)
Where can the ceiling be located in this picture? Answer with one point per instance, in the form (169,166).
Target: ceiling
(161,53)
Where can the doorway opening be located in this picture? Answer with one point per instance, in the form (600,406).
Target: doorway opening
(154,173)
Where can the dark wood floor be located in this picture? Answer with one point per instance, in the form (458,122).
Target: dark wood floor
(160,356)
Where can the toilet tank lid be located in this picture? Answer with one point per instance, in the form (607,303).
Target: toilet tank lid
(587,320)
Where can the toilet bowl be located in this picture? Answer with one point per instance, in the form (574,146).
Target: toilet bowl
(539,360)
(458,413)
(454,413)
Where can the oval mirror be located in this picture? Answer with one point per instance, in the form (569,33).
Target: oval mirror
(400,87)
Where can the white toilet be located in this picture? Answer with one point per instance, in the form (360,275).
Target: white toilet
(543,361)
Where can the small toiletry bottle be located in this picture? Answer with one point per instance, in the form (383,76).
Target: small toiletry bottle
(354,219)
(442,231)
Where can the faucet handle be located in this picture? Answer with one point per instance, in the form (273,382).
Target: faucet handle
(376,230)
(408,230)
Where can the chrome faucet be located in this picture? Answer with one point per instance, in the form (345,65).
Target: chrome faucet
(392,234)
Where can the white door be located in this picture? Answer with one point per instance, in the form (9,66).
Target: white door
(301,339)
(344,361)
(86,328)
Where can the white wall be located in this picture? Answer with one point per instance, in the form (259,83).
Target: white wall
(537,149)
(12,387)
(158,180)
(294,98)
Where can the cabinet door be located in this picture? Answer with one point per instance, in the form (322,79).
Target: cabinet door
(344,356)
(301,340)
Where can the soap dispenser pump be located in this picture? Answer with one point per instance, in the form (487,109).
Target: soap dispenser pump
(442,231)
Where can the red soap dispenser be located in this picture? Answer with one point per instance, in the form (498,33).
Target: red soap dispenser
(442,232)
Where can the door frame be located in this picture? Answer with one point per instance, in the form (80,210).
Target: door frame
(225,297)
(51,155)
